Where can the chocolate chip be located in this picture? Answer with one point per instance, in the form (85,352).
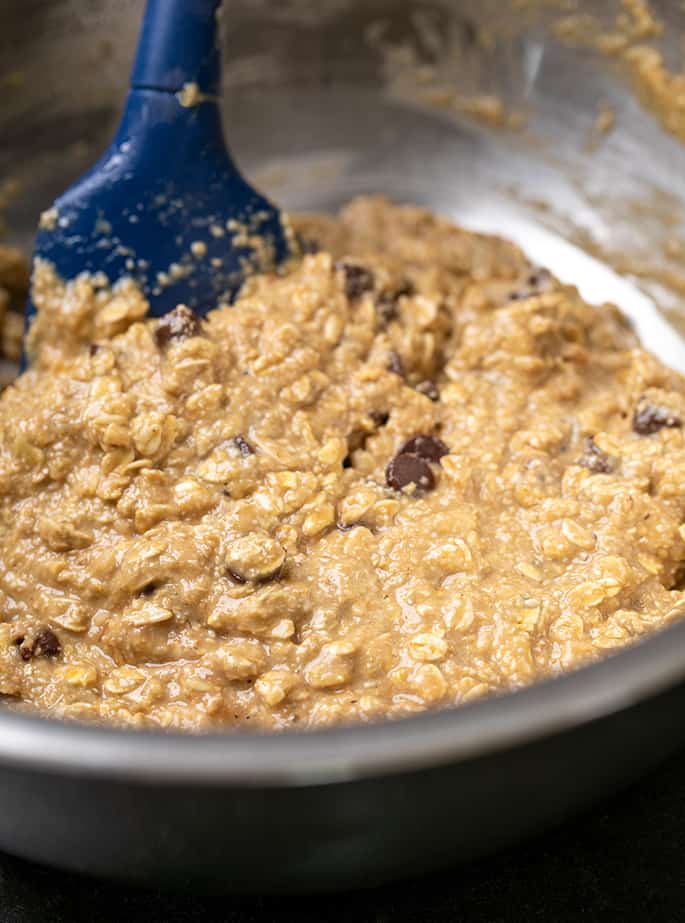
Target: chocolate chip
(178,324)
(45,644)
(93,349)
(430,448)
(650,418)
(594,459)
(235,576)
(395,364)
(358,280)
(379,417)
(429,389)
(246,448)
(386,303)
(407,469)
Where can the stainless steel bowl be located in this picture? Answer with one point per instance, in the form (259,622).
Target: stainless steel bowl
(325,100)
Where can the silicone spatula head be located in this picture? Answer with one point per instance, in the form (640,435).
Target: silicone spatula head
(165,204)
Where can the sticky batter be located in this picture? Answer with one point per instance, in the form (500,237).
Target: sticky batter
(410,471)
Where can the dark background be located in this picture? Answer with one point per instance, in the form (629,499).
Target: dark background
(624,860)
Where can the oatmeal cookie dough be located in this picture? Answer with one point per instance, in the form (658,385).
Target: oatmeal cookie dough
(410,471)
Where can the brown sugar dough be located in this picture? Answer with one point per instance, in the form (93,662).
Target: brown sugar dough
(410,471)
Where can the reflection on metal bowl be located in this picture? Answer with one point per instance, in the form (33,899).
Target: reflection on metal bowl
(485,114)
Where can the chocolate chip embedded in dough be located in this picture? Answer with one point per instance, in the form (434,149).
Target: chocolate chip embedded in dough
(594,459)
(45,644)
(246,448)
(179,324)
(425,446)
(407,469)
(649,418)
(358,280)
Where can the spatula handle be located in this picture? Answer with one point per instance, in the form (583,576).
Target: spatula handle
(178,45)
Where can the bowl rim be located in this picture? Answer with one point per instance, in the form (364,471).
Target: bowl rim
(352,752)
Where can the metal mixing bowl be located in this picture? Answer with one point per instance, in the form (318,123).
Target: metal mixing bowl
(325,100)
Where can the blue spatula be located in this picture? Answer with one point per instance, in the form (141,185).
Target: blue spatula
(166,205)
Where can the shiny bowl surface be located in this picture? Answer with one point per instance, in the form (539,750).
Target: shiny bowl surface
(324,101)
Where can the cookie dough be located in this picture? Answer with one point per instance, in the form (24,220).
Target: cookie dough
(409,471)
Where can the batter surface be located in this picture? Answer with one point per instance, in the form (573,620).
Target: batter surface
(411,471)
